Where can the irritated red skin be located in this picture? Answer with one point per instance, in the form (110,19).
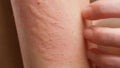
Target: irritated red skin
(50,33)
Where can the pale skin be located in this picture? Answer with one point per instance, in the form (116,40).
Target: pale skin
(109,37)
(50,33)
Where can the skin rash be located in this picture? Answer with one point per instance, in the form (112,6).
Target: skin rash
(50,33)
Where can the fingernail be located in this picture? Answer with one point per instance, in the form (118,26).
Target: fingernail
(87,12)
(88,33)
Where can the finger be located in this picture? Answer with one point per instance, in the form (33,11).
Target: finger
(104,60)
(102,9)
(103,36)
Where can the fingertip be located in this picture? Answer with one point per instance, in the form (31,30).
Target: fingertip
(88,33)
(87,12)
(105,59)
(101,10)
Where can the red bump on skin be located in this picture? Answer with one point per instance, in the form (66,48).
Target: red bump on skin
(48,32)
(53,33)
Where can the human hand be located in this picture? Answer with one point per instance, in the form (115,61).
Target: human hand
(102,35)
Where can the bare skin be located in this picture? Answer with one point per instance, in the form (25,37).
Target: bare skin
(50,33)
(108,37)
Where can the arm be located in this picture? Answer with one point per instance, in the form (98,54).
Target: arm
(50,33)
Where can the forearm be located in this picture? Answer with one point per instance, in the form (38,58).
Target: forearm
(50,33)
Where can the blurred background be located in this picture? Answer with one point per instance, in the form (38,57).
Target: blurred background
(10,56)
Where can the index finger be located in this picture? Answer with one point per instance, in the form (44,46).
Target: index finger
(102,9)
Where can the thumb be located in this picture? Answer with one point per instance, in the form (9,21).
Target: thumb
(103,36)
(102,9)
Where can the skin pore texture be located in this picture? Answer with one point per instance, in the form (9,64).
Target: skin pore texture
(50,33)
